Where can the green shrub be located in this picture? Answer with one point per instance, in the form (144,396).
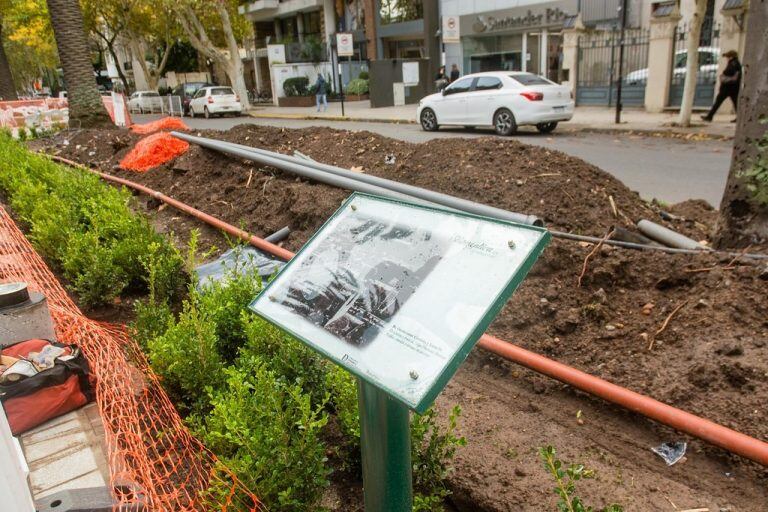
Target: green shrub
(342,387)
(364,75)
(565,480)
(296,86)
(152,319)
(92,269)
(267,432)
(226,302)
(432,450)
(185,356)
(289,359)
(357,86)
(755,172)
(83,226)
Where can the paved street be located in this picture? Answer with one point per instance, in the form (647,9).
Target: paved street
(671,170)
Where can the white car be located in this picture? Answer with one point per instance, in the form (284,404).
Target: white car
(209,101)
(502,99)
(145,102)
(708,58)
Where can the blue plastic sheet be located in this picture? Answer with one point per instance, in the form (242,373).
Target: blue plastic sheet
(235,262)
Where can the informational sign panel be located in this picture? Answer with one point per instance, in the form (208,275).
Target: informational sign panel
(344,44)
(276,53)
(451,29)
(410,73)
(397,293)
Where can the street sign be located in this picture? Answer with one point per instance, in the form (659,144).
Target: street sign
(397,293)
(451,29)
(345,44)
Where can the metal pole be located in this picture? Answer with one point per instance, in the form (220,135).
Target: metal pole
(385,441)
(621,60)
(611,68)
(404,189)
(341,83)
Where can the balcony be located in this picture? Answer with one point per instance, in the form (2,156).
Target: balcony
(262,10)
(259,7)
(305,52)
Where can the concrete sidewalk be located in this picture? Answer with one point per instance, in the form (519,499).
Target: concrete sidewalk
(585,119)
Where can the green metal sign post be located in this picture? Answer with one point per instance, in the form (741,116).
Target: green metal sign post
(385,440)
(398,294)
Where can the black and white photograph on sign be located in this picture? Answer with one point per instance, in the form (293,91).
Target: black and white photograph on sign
(395,292)
(341,289)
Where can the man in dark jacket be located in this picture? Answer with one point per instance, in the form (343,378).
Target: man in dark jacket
(321,92)
(730,83)
(455,73)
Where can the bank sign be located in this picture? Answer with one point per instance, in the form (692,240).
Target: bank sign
(546,15)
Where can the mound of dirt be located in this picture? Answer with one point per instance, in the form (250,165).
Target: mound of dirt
(711,358)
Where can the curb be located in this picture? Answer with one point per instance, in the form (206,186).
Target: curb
(575,128)
(310,117)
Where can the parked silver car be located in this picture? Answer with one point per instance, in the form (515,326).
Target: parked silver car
(145,102)
(708,57)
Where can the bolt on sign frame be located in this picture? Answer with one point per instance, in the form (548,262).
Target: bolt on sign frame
(398,294)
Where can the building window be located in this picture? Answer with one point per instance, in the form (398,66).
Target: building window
(397,49)
(290,31)
(398,11)
(311,23)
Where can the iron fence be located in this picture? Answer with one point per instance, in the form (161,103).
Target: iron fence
(171,106)
(598,72)
(709,57)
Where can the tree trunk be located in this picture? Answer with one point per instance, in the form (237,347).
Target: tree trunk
(85,106)
(139,55)
(692,63)
(120,73)
(743,217)
(234,70)
(198,38)
(235,65)
(7,87)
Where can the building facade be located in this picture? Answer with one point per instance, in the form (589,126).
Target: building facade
(514,35)
(576,42)
(306,29)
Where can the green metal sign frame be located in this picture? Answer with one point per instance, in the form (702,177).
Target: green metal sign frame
(384,415)
(466,346)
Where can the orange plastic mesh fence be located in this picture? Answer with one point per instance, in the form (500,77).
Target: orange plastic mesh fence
(152,151)
(166,123)
(153,459)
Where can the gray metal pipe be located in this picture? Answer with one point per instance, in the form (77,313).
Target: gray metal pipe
(402,188)
(279,235)
(300,169)
(667,237)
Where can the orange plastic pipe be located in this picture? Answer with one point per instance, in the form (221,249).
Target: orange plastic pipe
(718,435)
(678,419)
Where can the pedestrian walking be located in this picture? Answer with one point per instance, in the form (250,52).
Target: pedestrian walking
(730,83)
(455,73)
(321,93)
(441,80)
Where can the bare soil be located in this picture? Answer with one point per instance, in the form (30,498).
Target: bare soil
(711,359)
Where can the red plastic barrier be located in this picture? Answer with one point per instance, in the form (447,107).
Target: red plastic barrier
(166,123)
